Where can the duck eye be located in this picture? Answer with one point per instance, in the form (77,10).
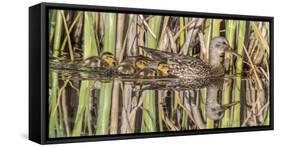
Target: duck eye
(213,109)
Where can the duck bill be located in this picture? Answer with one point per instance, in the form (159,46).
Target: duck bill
(231,51)
(228,49)
(228,106)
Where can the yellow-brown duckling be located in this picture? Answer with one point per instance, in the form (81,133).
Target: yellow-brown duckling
(164,68)
(106,60)
(132,64)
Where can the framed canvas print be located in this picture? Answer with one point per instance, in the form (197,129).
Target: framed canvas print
(99,73)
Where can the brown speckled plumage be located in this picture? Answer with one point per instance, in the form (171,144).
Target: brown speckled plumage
(186,67)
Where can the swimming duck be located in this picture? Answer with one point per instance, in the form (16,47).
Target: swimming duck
(186,67)
(193,72)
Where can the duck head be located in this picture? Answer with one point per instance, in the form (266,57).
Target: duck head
(163,67)
(108,58)
(218,47)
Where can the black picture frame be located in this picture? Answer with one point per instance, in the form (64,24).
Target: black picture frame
(38,72)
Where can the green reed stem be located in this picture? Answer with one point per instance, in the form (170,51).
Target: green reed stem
(53,121)
(90,49)
(52,18)
(182,32)
(227,88)
(104,102)
(149,103)
(208,34)
(215,32)
(267,119)
(239,70)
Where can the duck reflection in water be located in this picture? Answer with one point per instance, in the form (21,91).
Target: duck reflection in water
(193,73)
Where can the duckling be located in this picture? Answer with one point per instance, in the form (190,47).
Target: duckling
(139,62)
(106,60)
(142,63)
(132,65)
(163,67)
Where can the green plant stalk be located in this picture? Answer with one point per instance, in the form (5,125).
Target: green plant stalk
(208,34)
(184,123)
(60,128)
(182,32)
(52,18)
(149,102)
(190,50)
(239,70)
(53,121)
(149,112)
(89,120)
(267,119)
(104,102)
(90,49)
(227,87)
(216,27)
(215,32)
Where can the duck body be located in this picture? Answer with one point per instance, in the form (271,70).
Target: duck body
(190,68)
(186,67)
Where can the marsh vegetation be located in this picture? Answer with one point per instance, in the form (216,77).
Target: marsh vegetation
(98,87)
